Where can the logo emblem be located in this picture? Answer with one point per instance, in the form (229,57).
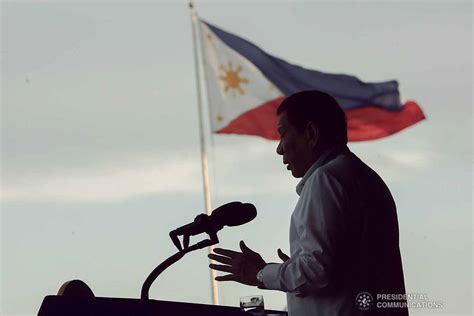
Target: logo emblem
(364,301)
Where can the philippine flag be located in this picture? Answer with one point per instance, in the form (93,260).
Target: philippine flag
(245,86)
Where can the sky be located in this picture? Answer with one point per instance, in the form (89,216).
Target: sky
(100,153)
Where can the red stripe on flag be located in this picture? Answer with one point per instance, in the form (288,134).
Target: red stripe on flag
(372,122)
(260,121)
(365,123)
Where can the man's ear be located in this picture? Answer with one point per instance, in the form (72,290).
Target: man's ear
(312,134)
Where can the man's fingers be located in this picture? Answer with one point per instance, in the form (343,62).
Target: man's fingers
(244,248)
(226,252)
(221,259)
(282,255)
(228,277)
(221,267)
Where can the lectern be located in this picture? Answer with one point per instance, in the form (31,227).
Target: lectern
(102,306)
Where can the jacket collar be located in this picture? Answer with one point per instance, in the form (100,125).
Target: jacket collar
(327,155)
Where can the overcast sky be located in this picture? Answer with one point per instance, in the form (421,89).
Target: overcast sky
(100,145)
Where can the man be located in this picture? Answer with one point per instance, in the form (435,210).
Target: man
(343,231)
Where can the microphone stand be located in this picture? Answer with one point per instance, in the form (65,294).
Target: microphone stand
(174,258)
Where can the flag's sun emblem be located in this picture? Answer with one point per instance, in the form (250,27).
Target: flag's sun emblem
(232,79)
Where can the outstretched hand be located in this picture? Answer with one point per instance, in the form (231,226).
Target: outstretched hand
(241,266)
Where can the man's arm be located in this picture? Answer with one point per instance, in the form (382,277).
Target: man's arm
(320,225)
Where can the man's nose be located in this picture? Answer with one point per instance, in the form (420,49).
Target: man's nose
(279,149)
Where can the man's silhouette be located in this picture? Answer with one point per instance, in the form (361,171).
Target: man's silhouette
(344,230)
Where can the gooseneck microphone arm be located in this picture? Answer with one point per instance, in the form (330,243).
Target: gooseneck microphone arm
(230,214)
(174,258)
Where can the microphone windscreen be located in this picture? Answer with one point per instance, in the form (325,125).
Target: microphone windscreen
(234,213)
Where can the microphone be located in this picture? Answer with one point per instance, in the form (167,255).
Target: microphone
(230,214)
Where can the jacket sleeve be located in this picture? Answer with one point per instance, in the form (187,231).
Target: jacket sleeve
(319,224)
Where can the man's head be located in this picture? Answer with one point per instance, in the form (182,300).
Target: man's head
(308,123)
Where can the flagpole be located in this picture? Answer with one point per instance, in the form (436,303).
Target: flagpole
(204,160)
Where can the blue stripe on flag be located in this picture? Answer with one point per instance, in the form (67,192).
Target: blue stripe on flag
(349,91)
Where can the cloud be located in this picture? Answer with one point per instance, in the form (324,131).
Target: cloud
(242,167)
(106,183)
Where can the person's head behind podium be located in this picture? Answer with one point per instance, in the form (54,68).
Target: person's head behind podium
(309,122)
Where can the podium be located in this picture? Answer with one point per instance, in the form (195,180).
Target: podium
(97,306)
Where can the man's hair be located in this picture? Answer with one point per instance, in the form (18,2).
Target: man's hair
(320,108)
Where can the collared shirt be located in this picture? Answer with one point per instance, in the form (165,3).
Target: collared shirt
(343,241)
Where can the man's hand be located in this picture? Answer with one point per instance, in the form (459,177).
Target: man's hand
(242,266)
(282,255)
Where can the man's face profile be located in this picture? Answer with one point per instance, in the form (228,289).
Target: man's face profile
(294,147)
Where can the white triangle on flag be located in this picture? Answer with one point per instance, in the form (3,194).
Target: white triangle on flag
(234,84)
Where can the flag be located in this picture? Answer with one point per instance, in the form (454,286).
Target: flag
(245,86)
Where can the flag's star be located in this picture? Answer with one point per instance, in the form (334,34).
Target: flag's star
(219,118)
(232,79)
(209,37)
